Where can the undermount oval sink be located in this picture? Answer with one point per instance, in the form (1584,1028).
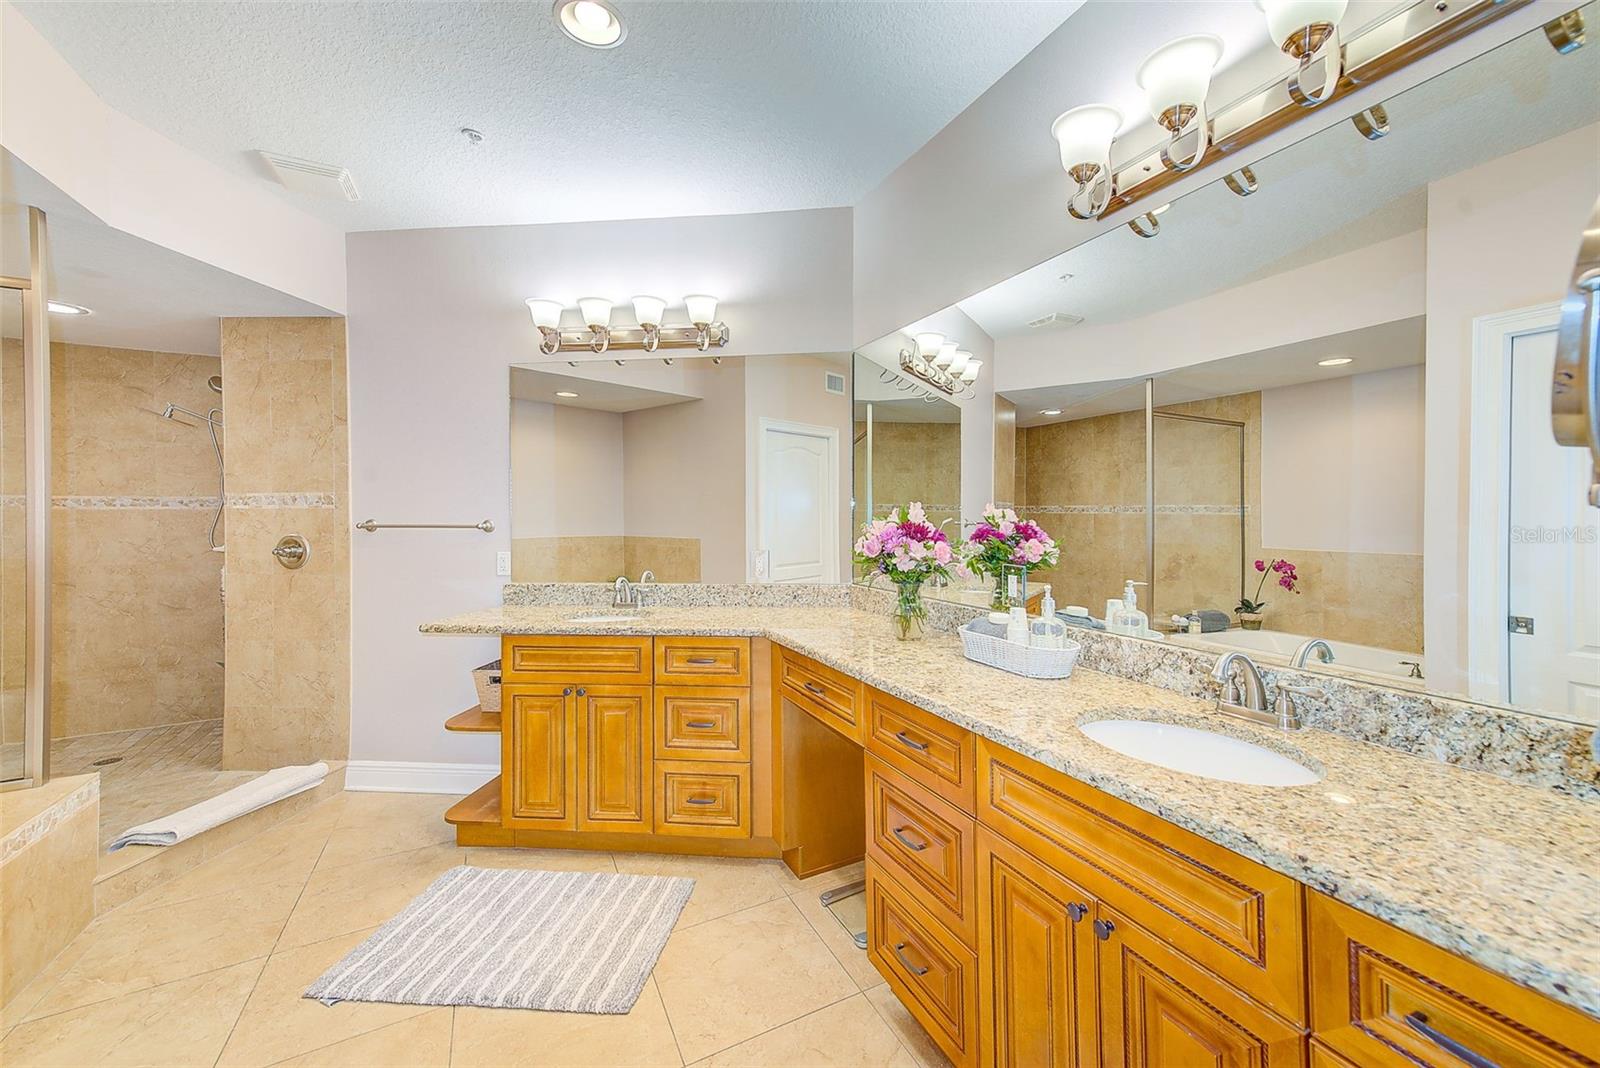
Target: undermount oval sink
(603,619)
(1197,752)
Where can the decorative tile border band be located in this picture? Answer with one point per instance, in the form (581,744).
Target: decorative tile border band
(1131,509)
(88,503)
(280,500)
(51,818)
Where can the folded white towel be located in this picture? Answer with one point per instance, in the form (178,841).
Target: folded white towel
(259,792)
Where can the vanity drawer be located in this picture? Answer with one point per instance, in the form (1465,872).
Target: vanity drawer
(702,798)
(703,661)
(927,843)
(834,698)
(702,723)
(1382,997)
(936,753)
(1229,914)
(933,974)
(573,657)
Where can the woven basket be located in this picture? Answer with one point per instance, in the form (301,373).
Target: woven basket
(985,643)
(487,680)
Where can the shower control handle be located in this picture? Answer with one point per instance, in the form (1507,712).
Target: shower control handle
(292,551)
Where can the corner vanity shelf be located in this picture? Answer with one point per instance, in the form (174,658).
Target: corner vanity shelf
(1022,916)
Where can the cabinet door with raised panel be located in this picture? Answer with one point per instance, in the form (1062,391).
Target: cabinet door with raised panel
(1160,1010)
(1036,961)
(539,747)
(615,783)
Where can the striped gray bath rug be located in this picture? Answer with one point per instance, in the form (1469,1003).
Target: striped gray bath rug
(505,938)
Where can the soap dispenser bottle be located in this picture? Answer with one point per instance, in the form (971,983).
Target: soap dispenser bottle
(1128,619)
(1048,632)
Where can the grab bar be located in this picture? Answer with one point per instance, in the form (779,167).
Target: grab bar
(370,525)
(1575,392)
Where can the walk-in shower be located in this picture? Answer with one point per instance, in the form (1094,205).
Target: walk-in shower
(213,421)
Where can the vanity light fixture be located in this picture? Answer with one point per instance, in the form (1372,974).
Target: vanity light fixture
(1336,361)
(939,362)
(1308,31)
(61,307)
(1241,182)
(1085,136)
(592,23)
(969,373)
(702,332)
(1176,78)
(945,356)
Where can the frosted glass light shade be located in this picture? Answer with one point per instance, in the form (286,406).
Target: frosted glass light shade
(546,313)
(959,364)
(1286,18)
(596,311)
(647,311)
(702,309)
(1179,72)
(928,344)
(969,373)
(1085,133)
(946,353)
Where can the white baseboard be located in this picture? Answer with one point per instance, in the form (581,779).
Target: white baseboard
(404,777)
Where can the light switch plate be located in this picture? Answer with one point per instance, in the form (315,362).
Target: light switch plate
(502,563)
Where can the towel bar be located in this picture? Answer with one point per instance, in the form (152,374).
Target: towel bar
(370,525)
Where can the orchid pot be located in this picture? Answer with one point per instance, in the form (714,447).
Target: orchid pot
(1251,609)
(1250,620)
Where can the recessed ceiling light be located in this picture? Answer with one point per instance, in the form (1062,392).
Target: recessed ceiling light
(1336,361)
(594,23)
(61,307)
(565,393)
(1050,411)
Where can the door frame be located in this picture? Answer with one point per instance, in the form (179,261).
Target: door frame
(1489,491)
(830,508)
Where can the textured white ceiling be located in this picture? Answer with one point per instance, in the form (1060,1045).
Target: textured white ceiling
(706,108)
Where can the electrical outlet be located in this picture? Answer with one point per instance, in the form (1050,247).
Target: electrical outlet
(760,564)
(502,563)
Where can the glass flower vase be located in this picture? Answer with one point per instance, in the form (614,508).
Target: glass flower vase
(1001,601)
(909,619)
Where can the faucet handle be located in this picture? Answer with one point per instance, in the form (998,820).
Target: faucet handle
(1289,717)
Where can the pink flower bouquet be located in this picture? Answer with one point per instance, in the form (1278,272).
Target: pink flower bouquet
(1002,541)
(908,552)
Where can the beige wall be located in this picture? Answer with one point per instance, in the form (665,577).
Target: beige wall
(1005,452)
(914,462)
(288,636)
(1484,259)
(135,596)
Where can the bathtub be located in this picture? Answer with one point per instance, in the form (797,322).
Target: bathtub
(1276,647)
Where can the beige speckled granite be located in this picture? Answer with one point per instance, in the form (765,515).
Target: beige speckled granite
(1503,873)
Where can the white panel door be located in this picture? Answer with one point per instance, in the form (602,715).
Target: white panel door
(1553,569)
(799,499)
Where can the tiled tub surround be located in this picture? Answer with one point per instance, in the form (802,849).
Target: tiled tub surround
(1505,873)
(136,598)
(288,652)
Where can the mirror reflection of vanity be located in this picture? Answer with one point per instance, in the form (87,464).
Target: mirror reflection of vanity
(1346,373)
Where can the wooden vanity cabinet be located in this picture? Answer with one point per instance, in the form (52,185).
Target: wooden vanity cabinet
(576,757)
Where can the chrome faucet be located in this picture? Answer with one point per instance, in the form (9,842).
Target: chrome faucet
(1255,694)
(1323,650)
(645,579)
(623,595)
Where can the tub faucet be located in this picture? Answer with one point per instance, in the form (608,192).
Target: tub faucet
(1323,650)
(1254,698)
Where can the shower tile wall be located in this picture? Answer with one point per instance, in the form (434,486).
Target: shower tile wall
(288,641)
(912,462)
(137,617)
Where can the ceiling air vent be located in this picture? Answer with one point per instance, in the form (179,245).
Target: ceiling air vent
(318,179)
(1055,319)
(833,382)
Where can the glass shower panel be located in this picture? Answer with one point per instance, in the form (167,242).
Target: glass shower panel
(1200,514)
(13,540)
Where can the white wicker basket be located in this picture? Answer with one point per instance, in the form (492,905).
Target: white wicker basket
(985,643)
(487,680)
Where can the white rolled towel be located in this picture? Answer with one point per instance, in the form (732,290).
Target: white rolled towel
(259,792)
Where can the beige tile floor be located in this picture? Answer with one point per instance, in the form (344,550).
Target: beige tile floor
(208,969)
(157,770)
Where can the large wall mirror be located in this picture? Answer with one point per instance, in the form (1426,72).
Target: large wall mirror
(1346,374)
(698,471)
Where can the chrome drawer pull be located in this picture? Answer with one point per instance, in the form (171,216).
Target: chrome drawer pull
(700,800)
(908,843)
(921,747)
(818,690)
(702,660)
(909,966)
(1418,1022)
(701,724)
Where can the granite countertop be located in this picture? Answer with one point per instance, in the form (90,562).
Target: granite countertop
(1505,874)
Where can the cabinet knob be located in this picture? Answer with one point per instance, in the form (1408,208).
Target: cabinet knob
(581,691)
(1103,929)
(1077,911)
(567,692)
